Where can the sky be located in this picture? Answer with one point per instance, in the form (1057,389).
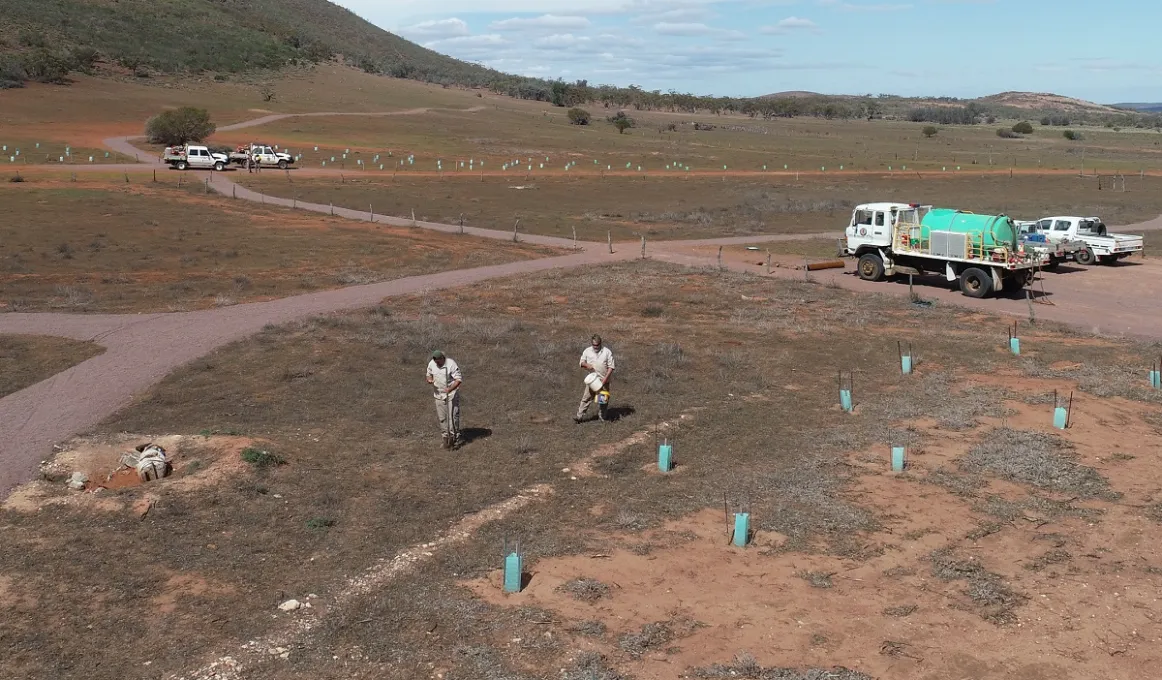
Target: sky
(956,48)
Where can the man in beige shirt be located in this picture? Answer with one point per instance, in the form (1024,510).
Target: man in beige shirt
(598,360)
(444,377)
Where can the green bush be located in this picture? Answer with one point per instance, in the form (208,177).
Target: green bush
(1023,128)
(261,459)
(929,131)
(180,126)
(44,66)
(578,116)
(622,122)
(12,73)
(1071,135)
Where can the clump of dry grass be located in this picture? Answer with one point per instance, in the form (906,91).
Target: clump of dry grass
(584,589)
(900,611)
(592,666)
(657,635)
(817,579)
(994,599)
(1055,556)
(746,666)
(952,400)
(1038,459)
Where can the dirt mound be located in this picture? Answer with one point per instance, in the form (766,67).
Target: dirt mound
(197,461)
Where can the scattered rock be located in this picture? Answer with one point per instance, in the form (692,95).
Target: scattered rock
(78,481)
(290,605)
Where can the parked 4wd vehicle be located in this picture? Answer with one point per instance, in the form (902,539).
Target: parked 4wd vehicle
(1100,245)
(262,155)
(193,156)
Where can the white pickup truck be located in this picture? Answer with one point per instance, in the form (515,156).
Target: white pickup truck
(263,155)
(1100,246)
(1055,250)
(192,156)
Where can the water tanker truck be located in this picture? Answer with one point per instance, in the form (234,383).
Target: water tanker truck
(985,253)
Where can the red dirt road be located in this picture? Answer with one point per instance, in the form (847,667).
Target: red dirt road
(141,349)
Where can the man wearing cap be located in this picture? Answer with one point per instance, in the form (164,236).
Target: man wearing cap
(444,377)
(598,360)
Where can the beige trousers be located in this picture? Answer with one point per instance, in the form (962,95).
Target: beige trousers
(449,409)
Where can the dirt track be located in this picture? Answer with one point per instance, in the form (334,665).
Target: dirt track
(141,349)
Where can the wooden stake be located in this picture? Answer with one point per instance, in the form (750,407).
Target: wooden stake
(643,247)
(719,258)
(514,228)
(768,261)
(461,223)
(609,238)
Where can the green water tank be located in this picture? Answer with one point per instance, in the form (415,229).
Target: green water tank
(997,230)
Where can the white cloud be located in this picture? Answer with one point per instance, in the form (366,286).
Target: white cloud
(679,15)
(790,24)
(561,41)
(545,22)
(440,28)
(853,7)
(696,29)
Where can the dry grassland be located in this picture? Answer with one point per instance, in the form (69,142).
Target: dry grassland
(630,575)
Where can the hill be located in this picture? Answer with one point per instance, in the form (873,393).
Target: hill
(1044,101)
(1155,107)
(45,40)
(223,36)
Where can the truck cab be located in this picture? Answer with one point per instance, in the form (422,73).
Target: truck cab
(872,223)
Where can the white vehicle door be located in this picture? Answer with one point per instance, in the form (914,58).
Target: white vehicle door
(860,229)
(200,158)
(266,156)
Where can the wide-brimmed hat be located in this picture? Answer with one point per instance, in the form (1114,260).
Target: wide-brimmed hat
(437,354)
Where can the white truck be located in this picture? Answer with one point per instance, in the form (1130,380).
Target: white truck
(1099,245)
(1056,250)
(263,155)
(189,156)
(982,252)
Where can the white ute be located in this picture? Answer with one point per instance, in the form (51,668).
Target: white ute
(263,155)
(193,156)
(1100,246)
(887,239)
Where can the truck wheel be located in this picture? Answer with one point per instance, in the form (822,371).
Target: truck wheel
(975,283)
(282,165)
(871,267)
(1106,259)
(181,165)
(1053,264)
(1085,257)
(219,166)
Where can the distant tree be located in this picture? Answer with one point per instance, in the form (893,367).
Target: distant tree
(44,66)
(1045,120)
(929,131)
(621,121)
(180,126)
(1071,135)
(578,116)
(1023,128)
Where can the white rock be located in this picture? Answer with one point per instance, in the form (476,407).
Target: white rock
(290,605)
(78,480)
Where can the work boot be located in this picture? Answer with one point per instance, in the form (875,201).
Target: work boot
(601,414)
(446,443)
(578,419)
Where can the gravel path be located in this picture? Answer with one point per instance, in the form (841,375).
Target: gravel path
(142,348)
